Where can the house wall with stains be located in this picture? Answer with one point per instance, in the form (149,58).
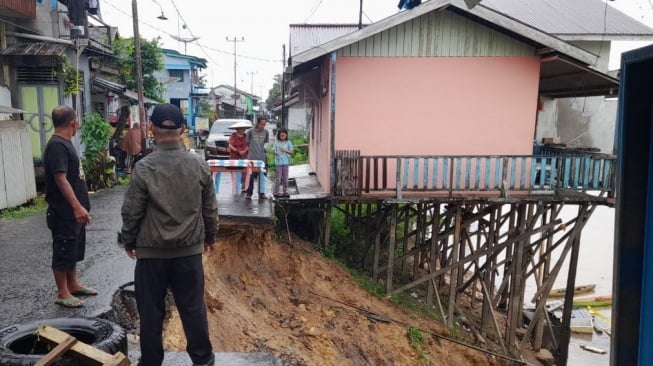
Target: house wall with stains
(430,106)
(437,106)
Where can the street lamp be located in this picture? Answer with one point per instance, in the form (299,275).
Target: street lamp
(162,16)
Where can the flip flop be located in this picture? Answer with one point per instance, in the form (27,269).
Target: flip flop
(71,302)
(86,291)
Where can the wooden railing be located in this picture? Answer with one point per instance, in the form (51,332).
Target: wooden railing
(358,174)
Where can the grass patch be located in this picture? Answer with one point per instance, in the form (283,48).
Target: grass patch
(34,206)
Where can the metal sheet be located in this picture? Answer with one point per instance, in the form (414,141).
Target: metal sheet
(34,49)
(7,109)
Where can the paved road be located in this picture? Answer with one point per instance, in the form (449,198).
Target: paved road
(27,289)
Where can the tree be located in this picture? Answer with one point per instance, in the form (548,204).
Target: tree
(275,93)
(151,60)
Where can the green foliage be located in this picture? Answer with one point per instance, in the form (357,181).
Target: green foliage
(97,165)
(416,339)
(339,236)
(34,206)
(70,74)
(274,93)
(299,157)
(151,61)
(415,336)
(123,180)
(370,286)
(300,144)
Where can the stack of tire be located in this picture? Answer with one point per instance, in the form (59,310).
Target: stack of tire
(21,346)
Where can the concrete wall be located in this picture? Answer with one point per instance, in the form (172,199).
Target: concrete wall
(582,121)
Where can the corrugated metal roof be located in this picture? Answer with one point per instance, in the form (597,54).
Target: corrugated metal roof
(571,17)
(509,24)
(307,36)
(110,85)
(121,89)
(34,49)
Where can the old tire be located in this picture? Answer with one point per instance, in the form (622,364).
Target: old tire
(19,346)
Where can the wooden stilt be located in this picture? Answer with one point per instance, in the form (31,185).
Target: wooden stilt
(391,248)
(454,269)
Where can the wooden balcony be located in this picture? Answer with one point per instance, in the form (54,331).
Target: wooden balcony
(24,9)
(437,176)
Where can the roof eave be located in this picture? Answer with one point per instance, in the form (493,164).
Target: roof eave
(605,37)
(479,11)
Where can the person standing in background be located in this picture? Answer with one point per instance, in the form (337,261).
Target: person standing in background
(238,147)
(68,204)
(257,137)
(131,144)
(283,151)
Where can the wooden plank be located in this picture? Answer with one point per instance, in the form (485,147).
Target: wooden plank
(522,179)
(87,352)
(445,173)
(477,175)
(458,172)
(596,169)
(586,176)
(425,180)
(391,248)
(554,171)
(415,172)
(435,173)
(453,279)
(57,351)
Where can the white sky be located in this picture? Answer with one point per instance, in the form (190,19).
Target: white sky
(263,23)
(264,26)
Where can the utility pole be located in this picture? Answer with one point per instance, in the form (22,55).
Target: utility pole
(283,87)
(235,40)
(251,75)
(142,116)
(360,16)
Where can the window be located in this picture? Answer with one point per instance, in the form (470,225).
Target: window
(176,74)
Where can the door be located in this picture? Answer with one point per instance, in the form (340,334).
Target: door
(39,101)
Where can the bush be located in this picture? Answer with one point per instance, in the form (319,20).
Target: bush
(98,165)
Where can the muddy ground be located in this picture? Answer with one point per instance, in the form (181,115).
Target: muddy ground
(287,299)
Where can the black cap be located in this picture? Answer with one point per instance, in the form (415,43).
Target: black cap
(167,116)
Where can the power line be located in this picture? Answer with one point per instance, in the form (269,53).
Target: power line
(315,7)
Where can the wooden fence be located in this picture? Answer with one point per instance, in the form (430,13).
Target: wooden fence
(357,174)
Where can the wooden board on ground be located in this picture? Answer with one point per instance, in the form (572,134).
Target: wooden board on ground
(66,343)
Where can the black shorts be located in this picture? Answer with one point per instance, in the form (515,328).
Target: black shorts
(68,243)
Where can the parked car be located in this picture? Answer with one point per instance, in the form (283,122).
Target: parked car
(217,144)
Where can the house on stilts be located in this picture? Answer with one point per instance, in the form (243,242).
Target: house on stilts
(421,132)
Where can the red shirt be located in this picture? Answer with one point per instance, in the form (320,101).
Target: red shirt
(240,143)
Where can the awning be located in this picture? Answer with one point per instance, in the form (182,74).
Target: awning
(7,109)
(109,85)
(564,78)
(34,49)
(121,90)
(134,96)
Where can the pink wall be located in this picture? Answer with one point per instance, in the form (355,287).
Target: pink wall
(320,143)
(434,106)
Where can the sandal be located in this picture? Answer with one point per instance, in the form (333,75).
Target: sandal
(71,302)
(86,291)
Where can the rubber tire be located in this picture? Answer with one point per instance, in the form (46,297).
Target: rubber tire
(99,333)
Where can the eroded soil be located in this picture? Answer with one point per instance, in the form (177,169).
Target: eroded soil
(265,295)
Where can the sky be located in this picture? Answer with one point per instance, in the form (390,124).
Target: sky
(264,25)
(261,28)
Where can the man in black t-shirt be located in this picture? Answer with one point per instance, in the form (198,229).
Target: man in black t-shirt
(68,206)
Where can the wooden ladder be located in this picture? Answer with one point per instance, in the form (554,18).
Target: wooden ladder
(65,342)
